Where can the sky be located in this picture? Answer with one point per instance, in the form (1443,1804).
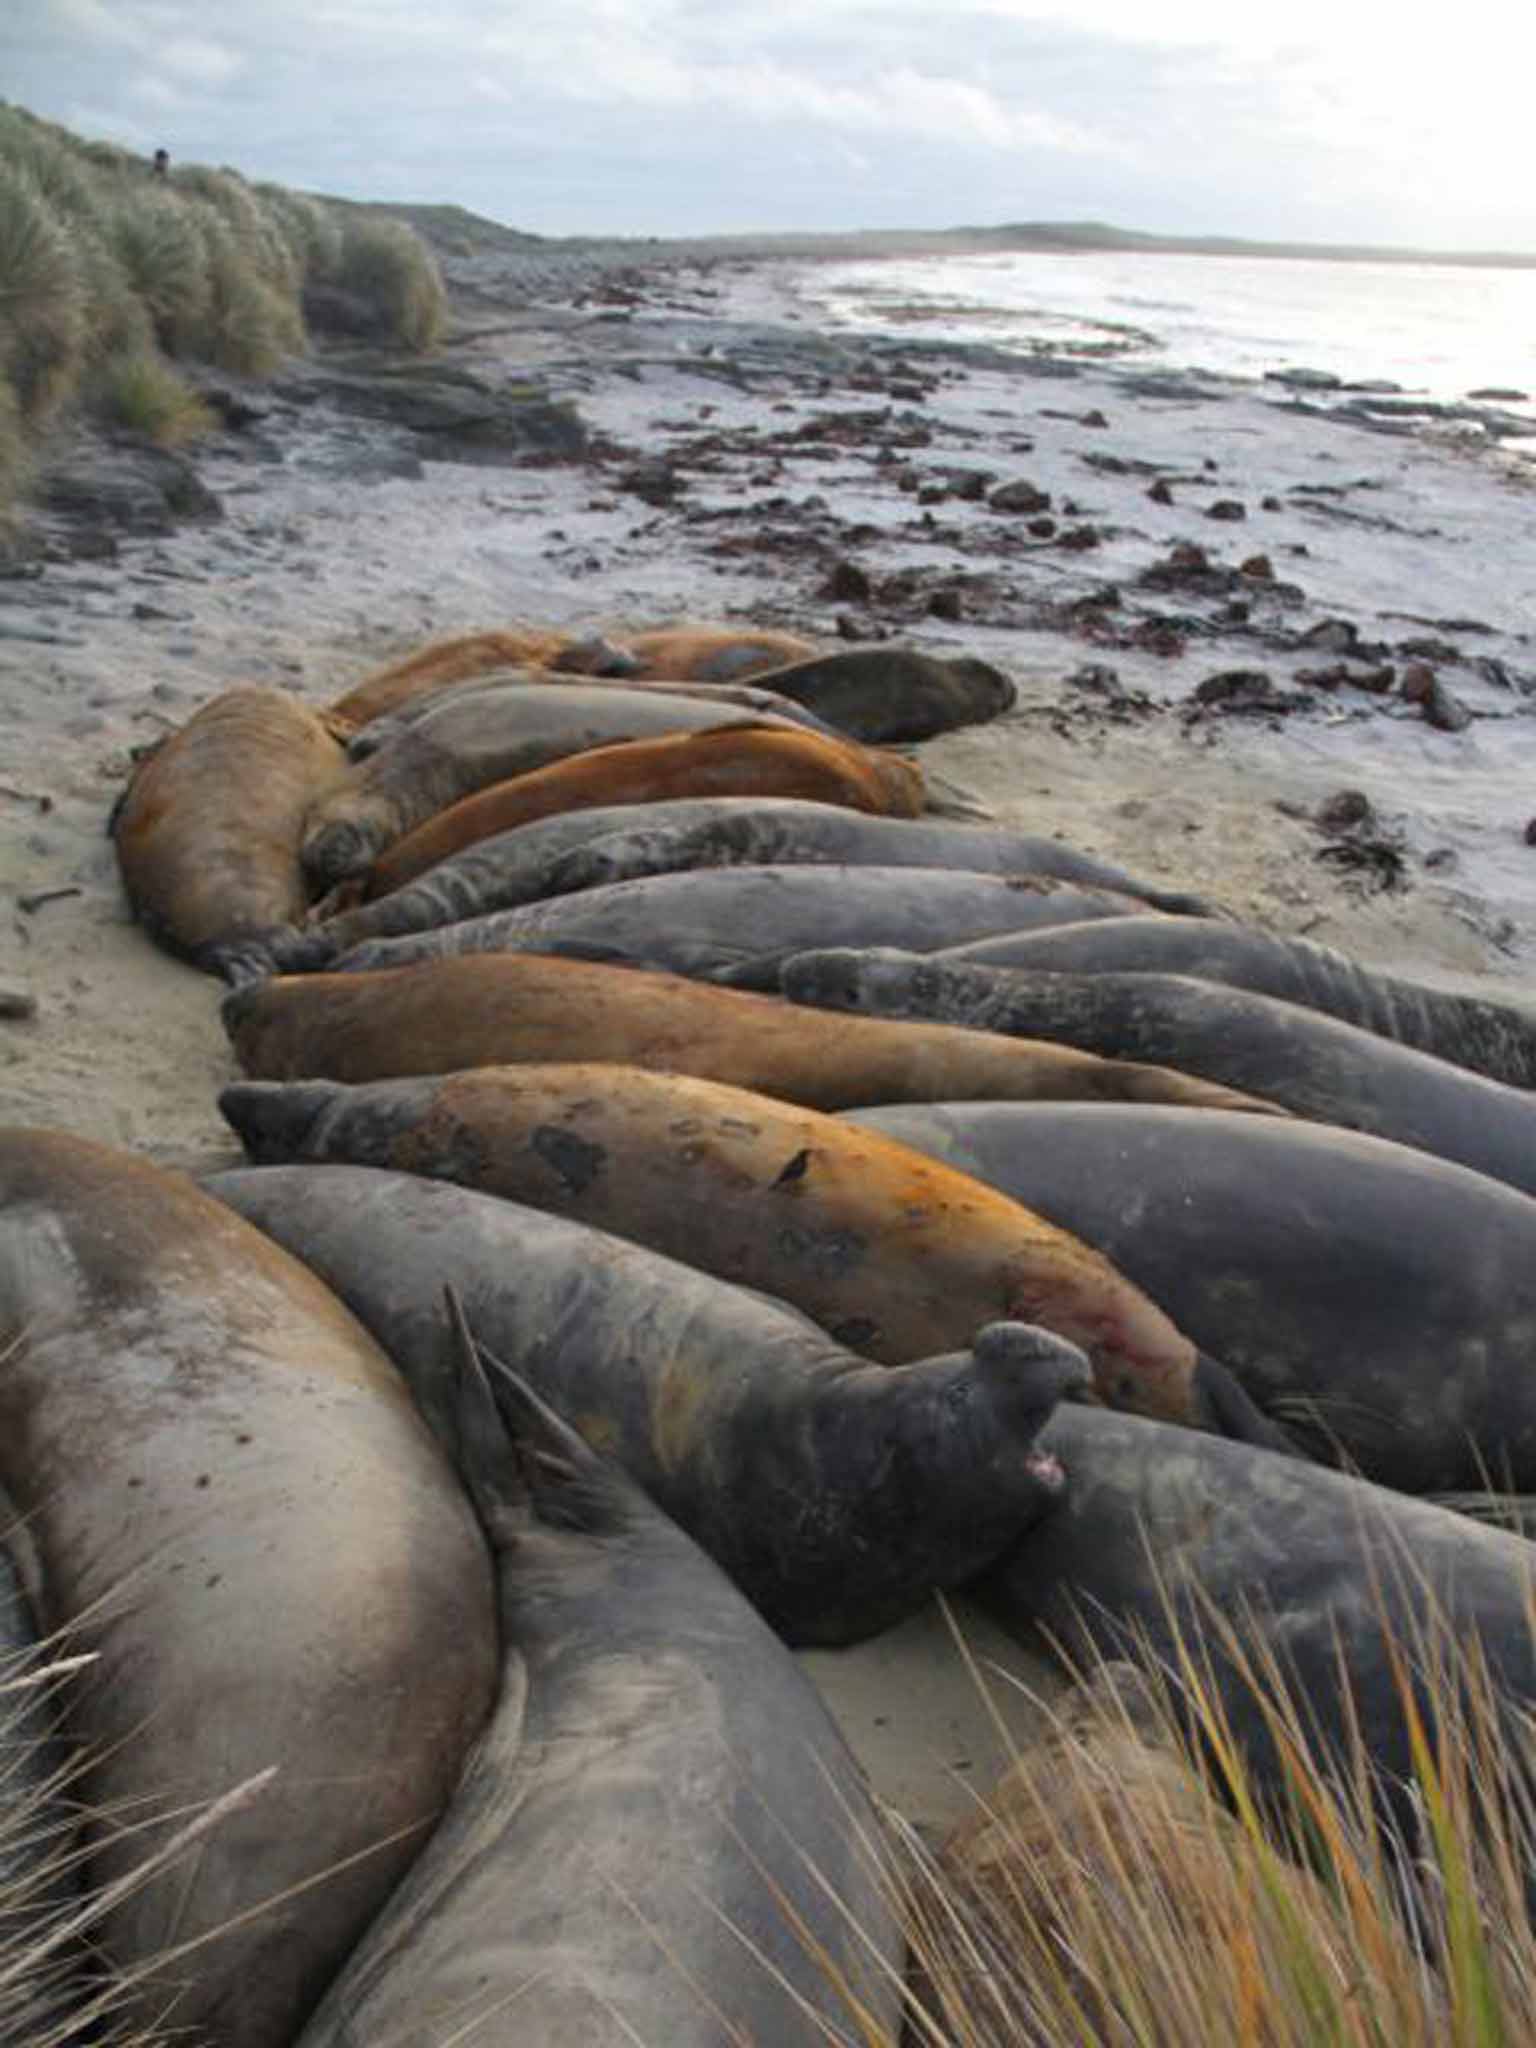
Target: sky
(1316,120)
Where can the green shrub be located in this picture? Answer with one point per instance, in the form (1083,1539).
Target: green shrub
(312,233)
(42,298)
(154,235)
(75,191)
(393,269)
(140,390)
(15,453)
(248,325)
(258,236)
(117,319)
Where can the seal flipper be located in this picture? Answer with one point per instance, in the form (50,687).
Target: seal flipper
(517,1457)
(1227,1409)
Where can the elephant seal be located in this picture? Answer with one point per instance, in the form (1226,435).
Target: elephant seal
(1310,1064)
(661,1837)
(748,759)
(738,925)
(208,830)
(523,866)
(713,654)
(1491,1038)
(894,1256)
(506,1009)
(784,832)
(741,699)
(1222,1564)
(894,693)
(229,1495)
(444,663)
(1379,1302)
(513,868)
(468,743)
(730,1410)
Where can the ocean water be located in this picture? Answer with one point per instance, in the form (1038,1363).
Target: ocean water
(1435,329)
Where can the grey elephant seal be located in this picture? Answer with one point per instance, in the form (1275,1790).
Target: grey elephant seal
(661,1836)
(1487,1037)
(738,925)
(1310,1064)
(728,1408)
(623,842)
(229,1494)
(894,693)
(463,743)
(1372,1609)
(1381,1303)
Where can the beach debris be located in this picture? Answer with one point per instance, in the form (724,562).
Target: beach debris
(1019,497)
(1246,690)
(1231,509)
(846,583)
(1440,706)
(1160,493)
(1305,380)
(33,903)
(1360,842)
(1377,680)
(17,1005)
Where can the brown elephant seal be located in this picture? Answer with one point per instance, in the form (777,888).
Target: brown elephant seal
(469,742)
(208,831)
(444,663)
(730,1410)
(504,1009)
(1380,1302)
(1313,1065)
(895,1256)
(661,1837)
(712,654)
(1497,1039)
(749,759)
(229,1495)
(894,693)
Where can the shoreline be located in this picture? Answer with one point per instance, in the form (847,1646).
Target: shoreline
(740,464)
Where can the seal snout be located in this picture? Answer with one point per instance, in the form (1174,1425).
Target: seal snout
(829,980)
(335,852)
(1029,1368)
(273,1119)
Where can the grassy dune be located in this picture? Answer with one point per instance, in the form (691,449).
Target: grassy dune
(113,279)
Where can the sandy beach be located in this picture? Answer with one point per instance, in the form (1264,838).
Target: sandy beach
(1189,716)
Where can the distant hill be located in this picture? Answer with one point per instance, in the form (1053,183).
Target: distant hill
(455,231)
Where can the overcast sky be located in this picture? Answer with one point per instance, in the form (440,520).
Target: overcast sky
(1317,119)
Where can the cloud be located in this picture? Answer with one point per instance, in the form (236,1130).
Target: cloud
(637,115)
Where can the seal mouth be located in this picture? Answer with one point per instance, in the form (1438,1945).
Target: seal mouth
(1046,1470)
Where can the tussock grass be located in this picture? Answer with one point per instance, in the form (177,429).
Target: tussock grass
(382,262)
(141,391)
(102,264)
(1132,1883)
(42,298)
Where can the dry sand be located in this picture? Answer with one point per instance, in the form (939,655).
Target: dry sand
(318,572)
